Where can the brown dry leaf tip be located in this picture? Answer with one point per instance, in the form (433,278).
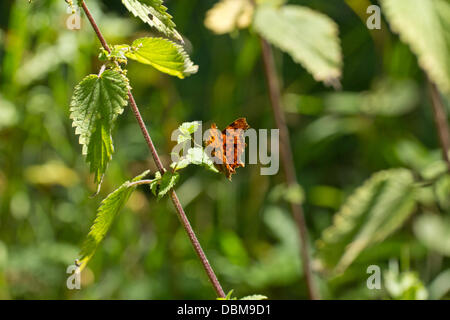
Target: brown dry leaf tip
(228,147)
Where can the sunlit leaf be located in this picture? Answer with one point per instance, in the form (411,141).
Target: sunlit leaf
(425,26)
(311,38)
(164,55)
(168,182)
(154,13)
(95,105)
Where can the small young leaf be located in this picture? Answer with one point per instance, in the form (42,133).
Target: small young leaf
(154,14)
(186,130)
(189,128)
(197,156)
(164,55)
(208,163)
(310,37)
(95,105)
(106,213)
(168,182)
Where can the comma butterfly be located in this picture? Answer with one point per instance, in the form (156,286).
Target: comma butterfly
(228,146)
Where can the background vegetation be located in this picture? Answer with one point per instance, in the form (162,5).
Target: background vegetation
(381,119)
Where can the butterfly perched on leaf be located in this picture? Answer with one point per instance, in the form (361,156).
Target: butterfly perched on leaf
(228,146)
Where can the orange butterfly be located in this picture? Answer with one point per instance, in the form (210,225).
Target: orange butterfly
(228,146)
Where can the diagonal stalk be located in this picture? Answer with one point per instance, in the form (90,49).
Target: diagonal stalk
(176,202)
(440,119)
(288,162)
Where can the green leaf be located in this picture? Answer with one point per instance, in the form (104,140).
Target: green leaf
(106,213)
(154,14)
(95,105)
(425,26)
(196,156)
(168,182)
(164,55)
(154,185)
(372,213)
(186,130)
(255,297)
(229,296)
(229,15)
(310,37)
(189,128)
(434,232)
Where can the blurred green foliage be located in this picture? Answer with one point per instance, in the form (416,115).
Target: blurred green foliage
(381,119)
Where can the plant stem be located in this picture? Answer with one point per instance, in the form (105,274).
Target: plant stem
(288,162)
(440,119)
(178,207)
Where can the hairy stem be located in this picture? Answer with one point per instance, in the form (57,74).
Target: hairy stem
(178,207)
(440,119)
(288,162)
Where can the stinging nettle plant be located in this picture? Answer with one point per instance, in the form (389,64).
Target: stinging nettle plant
(99,99)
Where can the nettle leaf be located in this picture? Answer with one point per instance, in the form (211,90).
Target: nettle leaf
(155,184)
(186,130)
(425,26)
(196,156)
(117,54)
(372,213)
(154,14)
(228,15)
(168,182)
(164,55)
(309,37)
(106,213)
(95,105)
